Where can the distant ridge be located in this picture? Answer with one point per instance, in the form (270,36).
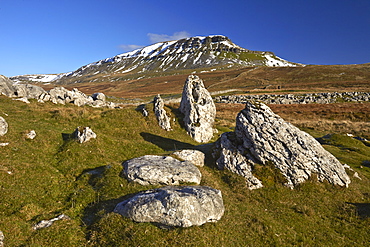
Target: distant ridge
(208,52)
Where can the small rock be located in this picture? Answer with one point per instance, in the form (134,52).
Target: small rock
(2,238)
(31,135)
(47,223)
(194,156)
(4,144)
(174,206)
(3,126)
(153,169)
(23,99)
(83,134)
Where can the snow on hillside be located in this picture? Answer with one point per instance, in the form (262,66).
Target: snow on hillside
(43,78)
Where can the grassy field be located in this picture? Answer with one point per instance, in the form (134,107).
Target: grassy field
(50,175)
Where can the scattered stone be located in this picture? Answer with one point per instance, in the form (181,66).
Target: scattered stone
(3,126)
(194,156)
(4,144)
(83,134)
(2,238)
(174,206)
(263,137)
(160,112)
(153,169)
(48,223)
(23,99)
(145,112)
(198,109)
(31,135)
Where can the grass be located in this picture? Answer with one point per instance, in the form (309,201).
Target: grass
(50,175)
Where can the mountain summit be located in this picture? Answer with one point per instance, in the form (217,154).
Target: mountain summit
(208,52)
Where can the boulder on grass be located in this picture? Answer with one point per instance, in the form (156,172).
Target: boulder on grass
(174,206)
(263,137)
(83,134)
(199,110)
(153,169)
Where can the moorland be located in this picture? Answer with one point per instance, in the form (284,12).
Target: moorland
(49,175)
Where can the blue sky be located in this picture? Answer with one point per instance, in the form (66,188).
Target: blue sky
(46,36)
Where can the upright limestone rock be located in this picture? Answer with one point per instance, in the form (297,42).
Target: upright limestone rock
(198,109)
(264,137)
(3,126)
(160,112)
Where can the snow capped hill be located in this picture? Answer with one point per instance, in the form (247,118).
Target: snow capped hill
(37,78)
(215,52)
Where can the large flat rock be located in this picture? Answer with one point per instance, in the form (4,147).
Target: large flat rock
(174,206)
(153,169)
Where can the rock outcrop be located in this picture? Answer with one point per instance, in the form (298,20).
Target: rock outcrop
(263,137)
(153,169)
(198,108)
(10,89)
(3,126)
(57,95)
(174,206)
(160,113)
(194,156)
(84,134)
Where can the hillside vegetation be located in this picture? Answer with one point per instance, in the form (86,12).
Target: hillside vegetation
(52,174)
(311,78)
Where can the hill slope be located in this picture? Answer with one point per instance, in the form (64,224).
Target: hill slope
(215,52)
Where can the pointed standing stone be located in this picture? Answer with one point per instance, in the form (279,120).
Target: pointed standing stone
(160,112)
(198,108)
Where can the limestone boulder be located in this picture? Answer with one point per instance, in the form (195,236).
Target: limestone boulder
(83,134)
(160,113)
(199,110)
(6,86)
(153,169)
(174,206)
(28,91)
(99,96)
(3,126)
(231,156)
(194,156)
(263,137)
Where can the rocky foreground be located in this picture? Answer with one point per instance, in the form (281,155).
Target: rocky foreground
(261,137)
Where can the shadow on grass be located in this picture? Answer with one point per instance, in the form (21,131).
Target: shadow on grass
(363,209)
(94,212)
(168,144)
